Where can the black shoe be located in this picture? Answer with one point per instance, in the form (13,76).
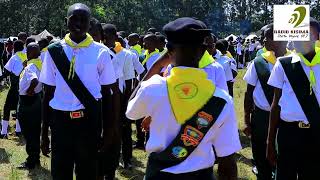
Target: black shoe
(138,146)
(126,165)
(27,166)
(3,136)
(18,134)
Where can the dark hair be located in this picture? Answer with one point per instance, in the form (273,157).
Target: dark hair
(110,28)
(18,46)
(214,37)
(152,37)
(96,23)
(134,35)
(44,41)
(30,40)
(161,38)
(315,23)
(220,45)
(268,30)
(22,34)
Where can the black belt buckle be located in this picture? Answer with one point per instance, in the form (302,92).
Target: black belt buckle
(76,114)
(302,125)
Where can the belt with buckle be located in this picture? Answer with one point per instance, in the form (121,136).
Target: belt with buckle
(76,114)
(302,125)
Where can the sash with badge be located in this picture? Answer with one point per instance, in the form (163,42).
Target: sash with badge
(67,70)
(304,90)
(195,108)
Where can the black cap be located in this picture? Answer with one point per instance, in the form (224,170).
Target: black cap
(186,31)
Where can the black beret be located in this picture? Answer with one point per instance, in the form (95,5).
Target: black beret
(186,31)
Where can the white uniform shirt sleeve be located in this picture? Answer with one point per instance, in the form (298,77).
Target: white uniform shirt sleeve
(226,141)
(138,106)
(228,71)
(251,76)
(137,65)
(277,76)
(9,64)
(221,81)
(105,69)
(128,68)
(31,73)
(48,71)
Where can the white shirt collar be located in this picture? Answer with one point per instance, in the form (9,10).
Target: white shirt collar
(218,54)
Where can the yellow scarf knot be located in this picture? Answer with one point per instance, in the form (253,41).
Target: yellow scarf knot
(315,61)
(84,44)
(117,48)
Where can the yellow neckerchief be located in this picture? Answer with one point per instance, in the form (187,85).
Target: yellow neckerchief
(189,90)
(148,55)
(22,56)
(206,60)
(229,55)
(83,44)
(37,62)
(315,61)
(137,48)
(317,46)
(269,56)
(264,49)
(44,49)
(117,48)
(165,50)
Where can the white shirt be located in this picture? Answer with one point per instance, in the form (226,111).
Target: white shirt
(94,68)
(124,66)
(239,49)
(14,65)
(30,73)
(152,60)
(152,100)
(251,47)
(137,64)
(259,98)
(290,107)
(215,73)
(233,66)
(224,61)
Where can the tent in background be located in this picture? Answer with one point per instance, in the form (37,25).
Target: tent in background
(231,35)
(43,34)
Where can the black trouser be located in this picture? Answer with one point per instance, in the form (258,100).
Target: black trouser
(140,134)
(74,143)
(298,153)
(259,134)
(204,174)
(29,114)
(126,131)
(11,102)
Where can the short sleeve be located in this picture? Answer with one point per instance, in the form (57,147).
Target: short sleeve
(228,71)
(128,67)
(277,76)
(31,72)
(48,71)
(137,65)
(220,76)
(137,107)
(105,68)
(9,64)
(251,76)
(226,140)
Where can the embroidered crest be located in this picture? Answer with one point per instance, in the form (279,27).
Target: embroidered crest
(179,152)
(186,90)
(191,136)
(204,119)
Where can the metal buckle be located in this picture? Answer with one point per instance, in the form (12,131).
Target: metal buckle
(76,114)
(302,125)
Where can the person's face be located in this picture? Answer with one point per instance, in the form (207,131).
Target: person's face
(109,38)
(306,47)
(95,33)
(23,38)
(133,41)
(78,23)
(211,46)
(147,43)
(33,53)
(279,47)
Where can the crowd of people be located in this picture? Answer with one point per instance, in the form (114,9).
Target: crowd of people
(177,86)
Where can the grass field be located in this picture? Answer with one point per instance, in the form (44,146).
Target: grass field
(12,151)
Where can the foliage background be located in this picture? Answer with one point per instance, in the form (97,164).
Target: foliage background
(223,16)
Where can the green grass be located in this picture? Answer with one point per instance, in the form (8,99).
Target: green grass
(12,151)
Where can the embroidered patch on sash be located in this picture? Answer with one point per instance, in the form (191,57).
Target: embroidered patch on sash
(203,119)
(179,152)
(191,136)
(186,90)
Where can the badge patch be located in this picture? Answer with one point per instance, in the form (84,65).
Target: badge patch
(186,90)
(191,136)
(179,152)
(204,119)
